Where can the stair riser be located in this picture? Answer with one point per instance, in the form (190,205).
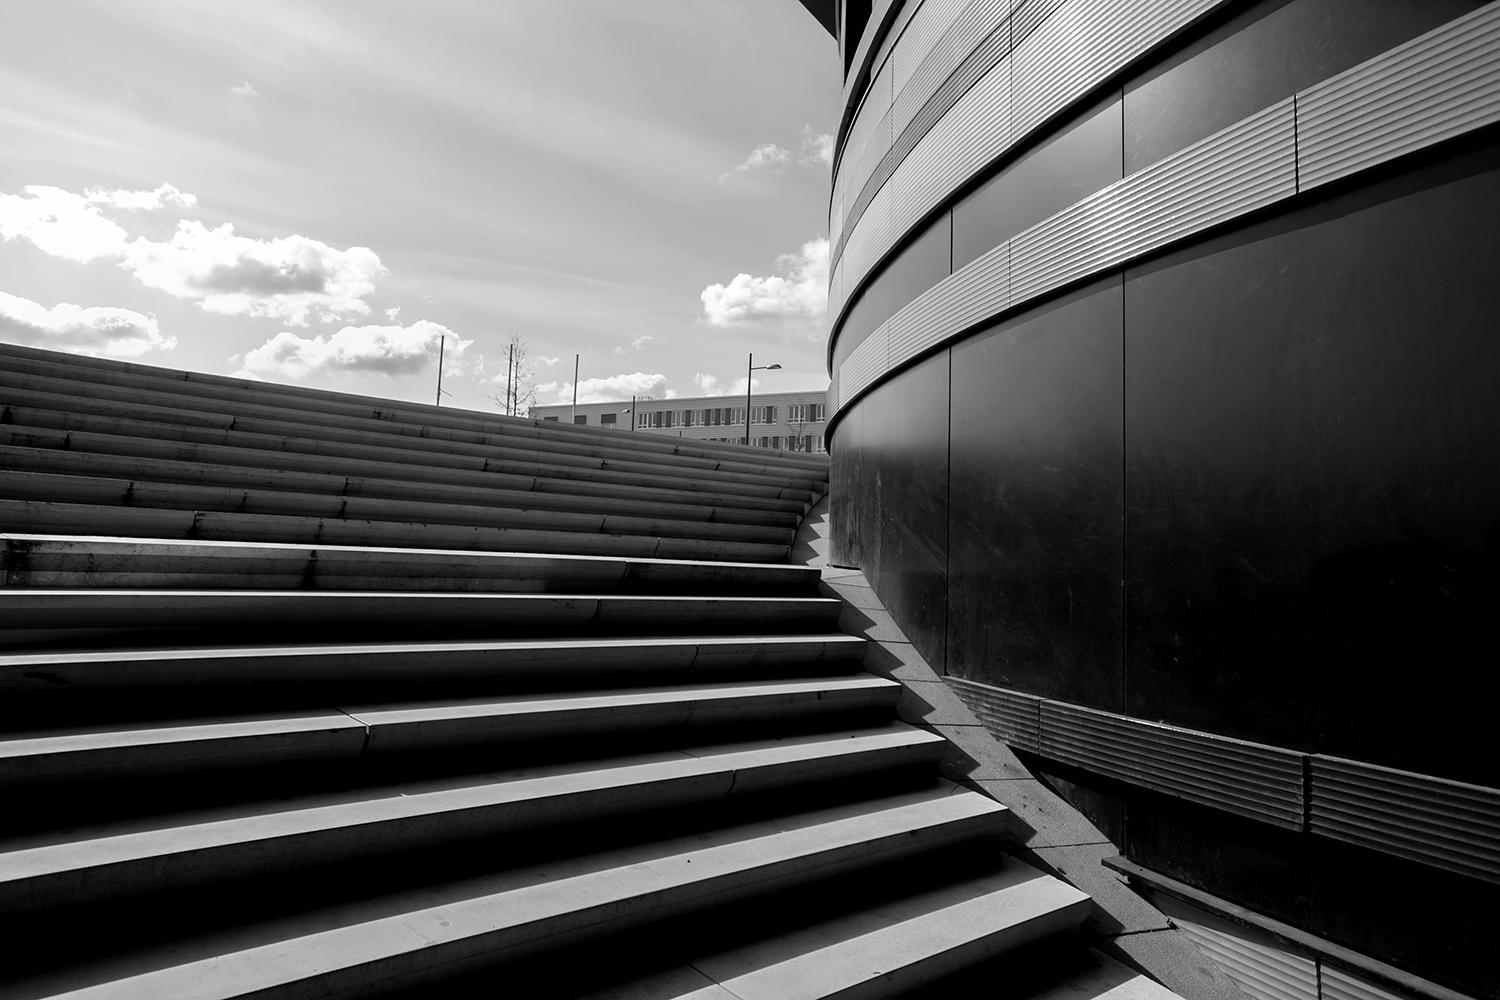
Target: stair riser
(171,405)
(372,415)
(26,427)
(42,561)
(323,476)
(429,946)
(85,489)
(40,883)
(396,449)
(28,682)
(340,738)
(45,517)
(30,617)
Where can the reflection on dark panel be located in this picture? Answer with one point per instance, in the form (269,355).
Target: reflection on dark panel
(1080,161)
(1313,432)
(1373,903)
(905,521)
(846,491)
(1260,58)
(1035,538)
(914,270)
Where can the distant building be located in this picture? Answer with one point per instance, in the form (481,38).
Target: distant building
(791,421)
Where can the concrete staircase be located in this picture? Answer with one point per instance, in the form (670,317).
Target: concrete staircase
(305,694)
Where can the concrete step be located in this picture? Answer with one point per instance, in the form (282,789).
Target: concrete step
(883,951)
(25,392)
(99,490)
(37,516)
(40,689)
(143,440)
(347,734)
(164,854)
(421,938)
(318,405)
(34,616)
(30,560)
(304,474)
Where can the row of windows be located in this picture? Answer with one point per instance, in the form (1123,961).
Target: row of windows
(721,416)
(808,442)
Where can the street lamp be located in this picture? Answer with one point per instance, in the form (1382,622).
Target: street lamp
(750,368)
(631,411)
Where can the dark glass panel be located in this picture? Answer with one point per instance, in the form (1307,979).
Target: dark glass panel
(924,262)
(1313,428)
(1079,161)
(1269,53)
(903,483)
(1035,539)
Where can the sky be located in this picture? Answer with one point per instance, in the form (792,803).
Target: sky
(321,193)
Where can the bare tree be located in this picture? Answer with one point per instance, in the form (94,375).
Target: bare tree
(796,418)
(515,388)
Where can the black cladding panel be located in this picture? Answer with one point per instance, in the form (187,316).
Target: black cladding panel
(1313,439)
(1037,553)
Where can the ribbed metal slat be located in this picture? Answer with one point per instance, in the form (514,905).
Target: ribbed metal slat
(1247,166)
(1078,46)
(926,27)
(979,290)
(864,366)
(1249,779)
(1448,824)
(1263,968)
(1340,985)
(1084,43)
(1437,86)
(1013,716)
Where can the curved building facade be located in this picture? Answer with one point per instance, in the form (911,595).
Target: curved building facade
(1165,418)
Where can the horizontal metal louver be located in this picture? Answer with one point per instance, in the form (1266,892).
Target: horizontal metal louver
(1013,716)
(1237,776)
(1433,820)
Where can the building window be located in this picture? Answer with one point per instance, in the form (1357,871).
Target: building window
(581,418)
(553,419)
(607,419)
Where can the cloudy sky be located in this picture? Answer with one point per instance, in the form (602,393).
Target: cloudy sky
(317,192)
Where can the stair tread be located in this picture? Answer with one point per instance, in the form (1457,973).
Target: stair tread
(885,949)
(139,852)
(400,939)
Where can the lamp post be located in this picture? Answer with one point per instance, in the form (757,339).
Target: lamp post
(750,368)
(631,411)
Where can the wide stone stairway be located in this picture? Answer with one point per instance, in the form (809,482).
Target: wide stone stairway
(307,694)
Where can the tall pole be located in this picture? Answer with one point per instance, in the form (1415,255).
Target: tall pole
(749,371)
(575,389)
(442,342)
(510,380)
(632,412)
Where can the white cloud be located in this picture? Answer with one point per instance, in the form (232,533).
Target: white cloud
(149,201)
(393,312)
(390,350)
(60,223)
(290,279)
(95,330)
(636,344)
(817,148)
(549,362)
(603,390)
(709,385)
(799,294)
(244,90)
(767,155)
